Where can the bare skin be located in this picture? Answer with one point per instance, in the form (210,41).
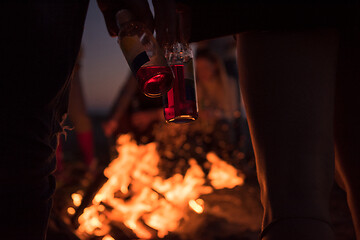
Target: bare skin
(288,84)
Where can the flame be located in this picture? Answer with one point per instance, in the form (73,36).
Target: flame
(223,175)
(154,205)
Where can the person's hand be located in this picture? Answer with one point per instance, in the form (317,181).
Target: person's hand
(139,8)
(164,22)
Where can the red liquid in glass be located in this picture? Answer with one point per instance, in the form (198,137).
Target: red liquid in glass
(155,81)
(180,101)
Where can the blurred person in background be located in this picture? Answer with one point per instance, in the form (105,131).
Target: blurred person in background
(132,112)
(217,92)
(220,108)
(220,54)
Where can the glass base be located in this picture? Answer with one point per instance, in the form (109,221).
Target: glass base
(182,119)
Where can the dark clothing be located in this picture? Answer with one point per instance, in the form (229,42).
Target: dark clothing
(211,19)
(34,85)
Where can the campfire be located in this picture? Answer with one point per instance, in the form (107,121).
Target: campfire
(150,206)
(180,182)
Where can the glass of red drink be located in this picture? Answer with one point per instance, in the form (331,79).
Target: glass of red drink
(155,81)
(180,103)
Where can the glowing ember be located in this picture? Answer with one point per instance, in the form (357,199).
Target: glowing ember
(71,211)
(150,205)
(76,197)
(197,206)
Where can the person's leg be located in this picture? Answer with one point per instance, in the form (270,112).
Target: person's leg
(36,99)
(347,121)
(287,81)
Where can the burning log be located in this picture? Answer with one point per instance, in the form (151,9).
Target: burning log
(120,231)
